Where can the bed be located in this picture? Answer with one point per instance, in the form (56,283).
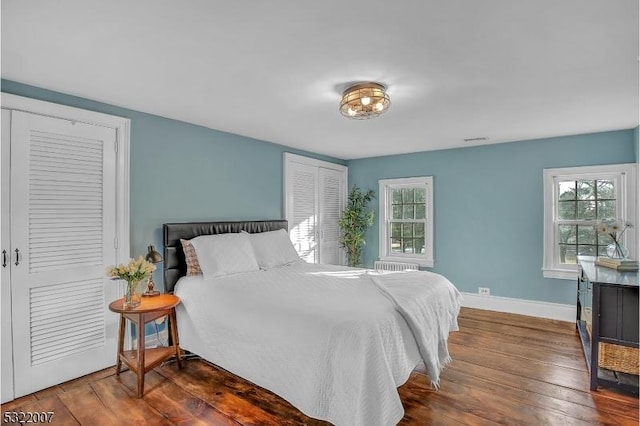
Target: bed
(336,342)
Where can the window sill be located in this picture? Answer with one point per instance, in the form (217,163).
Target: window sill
(421,261)
(560,274)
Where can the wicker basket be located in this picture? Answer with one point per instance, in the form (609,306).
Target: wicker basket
(619,358)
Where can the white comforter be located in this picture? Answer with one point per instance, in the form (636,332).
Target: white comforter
(328,339)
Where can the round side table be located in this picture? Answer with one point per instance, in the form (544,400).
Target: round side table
(144,359)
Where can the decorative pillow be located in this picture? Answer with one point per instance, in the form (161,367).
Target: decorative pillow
(224,254)
(190,256)
(273,248)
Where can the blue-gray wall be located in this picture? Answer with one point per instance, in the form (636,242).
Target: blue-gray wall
(488,200)
(183,172)
(488,207)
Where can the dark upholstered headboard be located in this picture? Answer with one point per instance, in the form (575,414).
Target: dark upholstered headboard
(174,263)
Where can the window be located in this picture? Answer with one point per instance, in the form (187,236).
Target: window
(575,199)
(406,220)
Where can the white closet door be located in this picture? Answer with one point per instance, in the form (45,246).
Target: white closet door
(332,194)
(6,349)
(315,195)
(63,220)
(302,210)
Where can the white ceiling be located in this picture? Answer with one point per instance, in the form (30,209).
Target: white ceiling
(274,70)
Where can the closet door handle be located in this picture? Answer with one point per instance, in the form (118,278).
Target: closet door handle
(4,258)
(17,257)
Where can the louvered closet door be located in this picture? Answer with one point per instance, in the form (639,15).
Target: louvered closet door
(303,214)
(331,195)
(63,224)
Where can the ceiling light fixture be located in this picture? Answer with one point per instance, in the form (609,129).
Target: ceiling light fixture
(364,100)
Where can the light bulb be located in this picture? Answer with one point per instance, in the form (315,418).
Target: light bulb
(365,101)
(351,112)
(379,106)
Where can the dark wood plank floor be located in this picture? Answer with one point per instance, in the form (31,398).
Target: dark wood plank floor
(506,369)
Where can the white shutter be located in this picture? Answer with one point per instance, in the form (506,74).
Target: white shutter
(332,193)
(315,195)
(302,214)
(65,202)
(63,220)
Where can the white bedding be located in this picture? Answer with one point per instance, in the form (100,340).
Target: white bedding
(323,337)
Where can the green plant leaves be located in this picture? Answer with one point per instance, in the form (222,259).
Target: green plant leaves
(354,222)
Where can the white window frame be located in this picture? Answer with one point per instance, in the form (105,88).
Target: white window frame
(384,190)
(625,178)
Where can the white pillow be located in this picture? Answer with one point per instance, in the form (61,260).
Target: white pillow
(273,248)
(224,254)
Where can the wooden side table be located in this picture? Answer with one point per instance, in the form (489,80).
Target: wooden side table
(144,359)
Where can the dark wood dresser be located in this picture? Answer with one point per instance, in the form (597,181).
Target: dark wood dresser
(607,314)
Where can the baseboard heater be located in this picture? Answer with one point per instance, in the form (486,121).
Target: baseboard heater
(382,265)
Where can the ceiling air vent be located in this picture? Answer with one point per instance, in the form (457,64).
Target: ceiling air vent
(483,138)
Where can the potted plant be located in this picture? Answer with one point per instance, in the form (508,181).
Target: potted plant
(354,222)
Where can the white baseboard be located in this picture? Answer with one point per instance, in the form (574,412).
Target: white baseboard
(556,311)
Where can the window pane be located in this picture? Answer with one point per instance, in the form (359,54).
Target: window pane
(605,189)
(396,230)
(587,250)
(567,190)
(397,212)
(567,210)
(604,239)
(407,195)
(421,195)
(567,234)
(408,211)
(419,245)
(567,254)
(408,245)
(607,209)
(586,209)
(421,211)
(396,196)
(602,250)
(586,190)
(407,230)
(419,229)
(586,234)
(396,245)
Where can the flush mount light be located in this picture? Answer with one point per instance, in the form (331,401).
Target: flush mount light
(364,100)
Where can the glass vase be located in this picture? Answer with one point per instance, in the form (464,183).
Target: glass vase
(617,251)
(132,295)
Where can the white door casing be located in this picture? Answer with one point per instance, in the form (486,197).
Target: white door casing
(77,281)
(6,356)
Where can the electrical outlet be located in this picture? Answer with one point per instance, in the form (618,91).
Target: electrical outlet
(485,291)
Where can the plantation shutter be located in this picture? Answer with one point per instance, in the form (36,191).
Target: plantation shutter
(63,224)
(315,195)
(331,206)
(302,214)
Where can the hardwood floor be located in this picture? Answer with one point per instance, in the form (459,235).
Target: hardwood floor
(506,369)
